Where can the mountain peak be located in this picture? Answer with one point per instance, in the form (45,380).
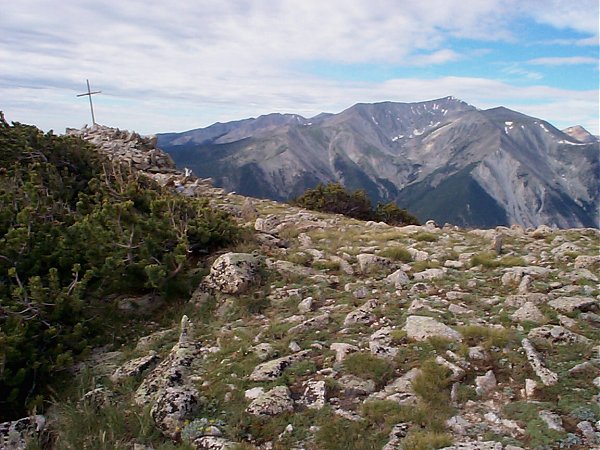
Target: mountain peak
(581,134)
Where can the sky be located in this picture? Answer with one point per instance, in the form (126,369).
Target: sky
(166,66)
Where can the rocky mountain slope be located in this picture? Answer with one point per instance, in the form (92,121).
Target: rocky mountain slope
(324,332)
(442,159)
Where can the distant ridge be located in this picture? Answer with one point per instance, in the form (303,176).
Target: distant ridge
(442,159)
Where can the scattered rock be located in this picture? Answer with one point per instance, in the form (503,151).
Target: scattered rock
(135,367)
(591,437)
(16,434)
(272,369)
(362,315)
(528,313)
(97,398)
(342,350)
(273,402)
(315,323)
(548,377)
(475,445)
(398,433)
(369,263)
(399,279)
(234,273)
(429,274)
(173,406)
(556,335)
(306,305)
(380,343)
(355,386)
(485,383)
(422,328)
(175,369)
(572,304)
(552,420)
(213,443)
(315,394)
(587,261)
(264,350)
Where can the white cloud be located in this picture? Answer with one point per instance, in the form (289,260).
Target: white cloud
(563,60)
(181,64)
(581,16)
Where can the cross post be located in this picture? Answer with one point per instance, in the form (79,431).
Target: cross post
(89,93)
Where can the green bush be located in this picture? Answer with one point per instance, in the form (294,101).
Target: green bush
(489,260)
(432,385)
(74,228)
(333,198)
(425,237)
(365,365)
(392,214)
(396,253)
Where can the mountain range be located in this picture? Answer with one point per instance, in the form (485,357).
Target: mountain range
(441,159)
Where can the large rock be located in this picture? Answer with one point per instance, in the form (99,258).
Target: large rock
(398,279)
(135,367)
(548,377)
(213,443)
(362,315)
(368,263)
(380,343)
(314,323)
(273,402)
(355,386)
(485,383)
(556,335)
(315,394)
(429,274)
(234,273)
(422,328)
(272,369)
(173,406)
(176,367)
(342,350)
(475,445)
(572,304)
(15,435)
(528,313)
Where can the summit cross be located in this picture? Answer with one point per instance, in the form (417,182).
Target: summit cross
(89,93)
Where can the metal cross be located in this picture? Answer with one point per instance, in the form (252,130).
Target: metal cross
(89,93)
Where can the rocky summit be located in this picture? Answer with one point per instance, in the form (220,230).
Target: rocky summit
(324,332)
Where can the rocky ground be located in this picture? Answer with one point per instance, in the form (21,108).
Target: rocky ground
(326,332)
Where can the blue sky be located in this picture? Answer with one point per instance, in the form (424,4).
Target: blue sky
(178,65)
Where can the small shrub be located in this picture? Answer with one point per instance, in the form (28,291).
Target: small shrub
(365,365)
(333,198)
(489,260)
(425,237)
(420,440)
(440,343)
(383,413)
(487,337)
(342,434)
(326,265)
(432,384)
(392,214)
(396,254)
